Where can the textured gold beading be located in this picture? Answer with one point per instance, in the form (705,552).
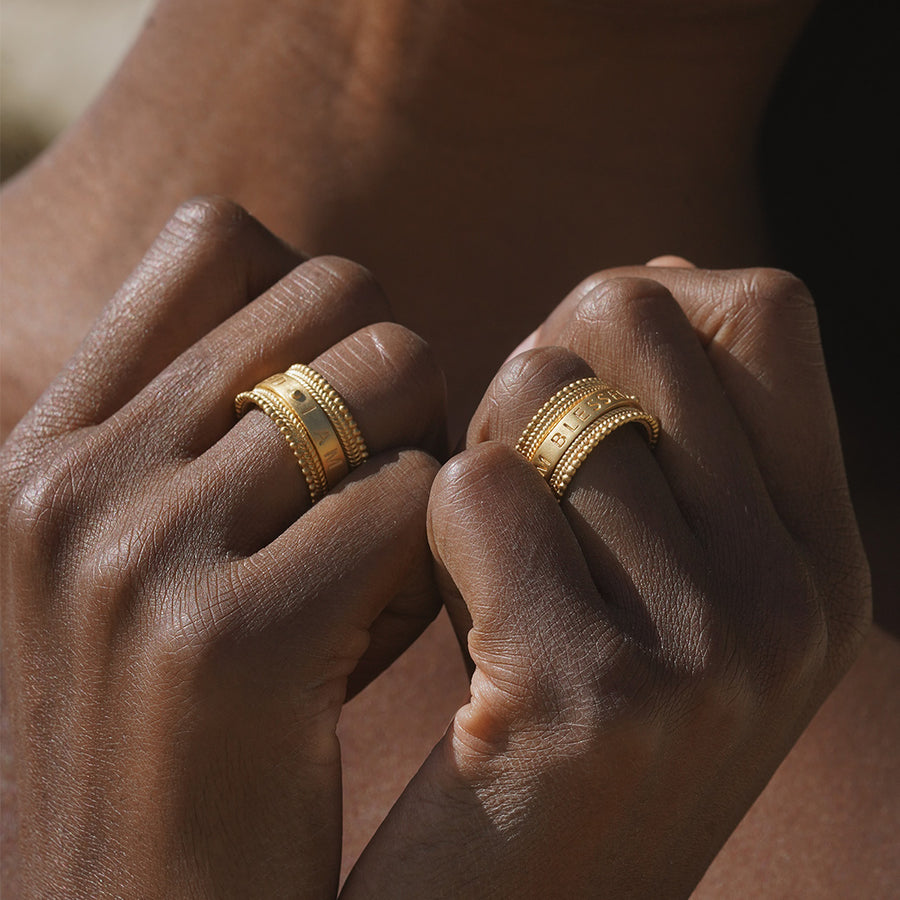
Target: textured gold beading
(314,419)
(604,426)
(344,424)
(550,411)
(292,428)
(572,422)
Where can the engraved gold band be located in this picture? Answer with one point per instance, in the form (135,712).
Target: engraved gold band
(335,408)
(295,434)
(572,422)
(315,421)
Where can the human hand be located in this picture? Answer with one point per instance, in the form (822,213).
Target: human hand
(645,651)
(180,628)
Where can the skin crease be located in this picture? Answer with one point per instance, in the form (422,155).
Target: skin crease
(349,170)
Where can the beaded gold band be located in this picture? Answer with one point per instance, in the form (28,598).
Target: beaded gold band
(572,422)
(564,417)
(314,419)
(551,410)
(330,401)
(292,428)
(591,436)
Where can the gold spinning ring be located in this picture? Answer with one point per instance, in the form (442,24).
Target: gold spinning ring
(314,419)
(572,422)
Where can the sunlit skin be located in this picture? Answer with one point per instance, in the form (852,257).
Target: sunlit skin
(480,162)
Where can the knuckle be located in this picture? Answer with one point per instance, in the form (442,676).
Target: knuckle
(208,235)
(410,472)
(564,699)
(613,682)
(108,580)
(541,370)
(351,290)
(149,569)
(521,387)
(774,299)
(40,504)
(625,301)
(387,369)
(723,663)
(595,282)
(207,220)
(590,285)
(415,471)
(777,288)
(386,346)
(469,490)
(48,527)
(479,471)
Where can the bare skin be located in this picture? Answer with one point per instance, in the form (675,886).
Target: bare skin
(342,157)
(387,134)
(616,678)
(180,628)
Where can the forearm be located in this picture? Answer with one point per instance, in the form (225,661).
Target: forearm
(823,825)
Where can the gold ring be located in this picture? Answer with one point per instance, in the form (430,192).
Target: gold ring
(314,419)
(292,428)
(572,422)
(328,398)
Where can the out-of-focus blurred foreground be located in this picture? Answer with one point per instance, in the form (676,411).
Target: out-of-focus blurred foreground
(55,55)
